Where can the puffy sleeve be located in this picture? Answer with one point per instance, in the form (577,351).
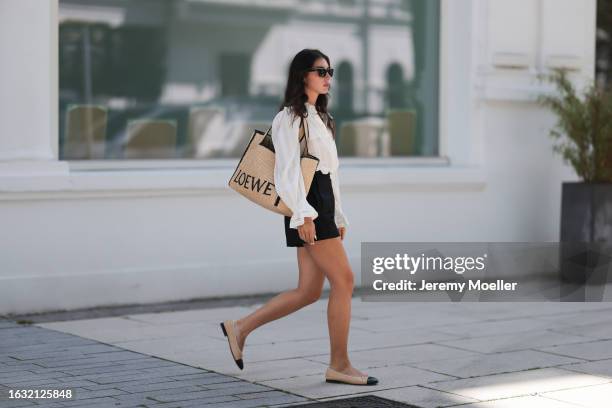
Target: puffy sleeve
(288,179)
(339,217)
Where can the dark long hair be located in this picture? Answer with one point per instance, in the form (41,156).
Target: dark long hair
(295,96)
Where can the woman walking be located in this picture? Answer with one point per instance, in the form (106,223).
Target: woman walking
(318,224)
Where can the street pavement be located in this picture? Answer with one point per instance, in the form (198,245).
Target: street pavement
(473,355)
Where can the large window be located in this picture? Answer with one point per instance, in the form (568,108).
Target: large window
(191,79)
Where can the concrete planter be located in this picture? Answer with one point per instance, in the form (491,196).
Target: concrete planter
(586,232)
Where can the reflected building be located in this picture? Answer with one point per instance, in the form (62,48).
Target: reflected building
(218,69)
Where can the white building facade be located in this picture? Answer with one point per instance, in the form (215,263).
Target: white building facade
(78,235)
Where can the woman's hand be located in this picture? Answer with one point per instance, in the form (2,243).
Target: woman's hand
(307,231)
(342,231)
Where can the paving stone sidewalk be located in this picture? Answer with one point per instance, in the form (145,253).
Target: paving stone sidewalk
(102,375)
(473,355)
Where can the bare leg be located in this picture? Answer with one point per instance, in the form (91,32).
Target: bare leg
(329,255)
(308,291)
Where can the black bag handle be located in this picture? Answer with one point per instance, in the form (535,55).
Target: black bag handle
(306,134)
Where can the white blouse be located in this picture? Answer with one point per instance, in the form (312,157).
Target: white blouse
(288,178)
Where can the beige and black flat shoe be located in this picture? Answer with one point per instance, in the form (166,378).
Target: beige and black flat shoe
(228,331)
(333,376)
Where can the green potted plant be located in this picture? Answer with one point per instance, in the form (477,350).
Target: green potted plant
(583,135)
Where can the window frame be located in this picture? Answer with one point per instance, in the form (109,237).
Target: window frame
(442,159)
(458,167)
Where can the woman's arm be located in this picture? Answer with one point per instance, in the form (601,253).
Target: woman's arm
(288,179)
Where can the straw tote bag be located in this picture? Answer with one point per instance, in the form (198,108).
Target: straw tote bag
(254,174)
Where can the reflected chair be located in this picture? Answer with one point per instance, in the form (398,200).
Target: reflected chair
(202,124)
(85,134)
(151,139)
(360,138)
(401,129)
(242,133)
(347,140)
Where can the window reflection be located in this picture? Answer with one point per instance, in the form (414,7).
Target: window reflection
(192,79)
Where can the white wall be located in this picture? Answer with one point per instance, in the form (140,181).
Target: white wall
(75,239)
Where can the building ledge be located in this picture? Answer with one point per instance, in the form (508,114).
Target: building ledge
(150,178)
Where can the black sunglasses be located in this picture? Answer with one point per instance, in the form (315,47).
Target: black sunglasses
(323,71)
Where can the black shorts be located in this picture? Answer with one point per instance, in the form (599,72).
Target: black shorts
(321,197)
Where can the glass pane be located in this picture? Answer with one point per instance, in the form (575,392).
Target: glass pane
(192,79)
(153,139)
